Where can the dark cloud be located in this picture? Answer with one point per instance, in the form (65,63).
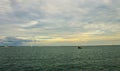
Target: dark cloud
(12,41)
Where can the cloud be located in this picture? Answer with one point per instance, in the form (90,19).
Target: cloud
(31,23)
(107,1)
(12,41)
(24,18)
(106,28)
(73,39)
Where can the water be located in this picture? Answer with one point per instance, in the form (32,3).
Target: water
(97,58)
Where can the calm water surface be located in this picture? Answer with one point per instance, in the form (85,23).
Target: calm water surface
(97,58)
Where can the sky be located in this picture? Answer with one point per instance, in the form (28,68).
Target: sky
(59,22)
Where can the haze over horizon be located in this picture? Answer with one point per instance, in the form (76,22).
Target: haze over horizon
(59,22)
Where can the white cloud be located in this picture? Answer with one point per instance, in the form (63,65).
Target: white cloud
(106,27)
(65,8)
(29,24)
(107,1)
(5,7)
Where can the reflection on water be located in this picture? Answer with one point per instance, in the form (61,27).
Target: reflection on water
(102,58)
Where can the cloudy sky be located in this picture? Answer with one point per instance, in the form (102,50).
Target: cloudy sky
(59,22)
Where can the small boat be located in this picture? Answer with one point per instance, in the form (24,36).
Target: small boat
(79,47)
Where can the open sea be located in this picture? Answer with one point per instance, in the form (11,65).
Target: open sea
(60,58)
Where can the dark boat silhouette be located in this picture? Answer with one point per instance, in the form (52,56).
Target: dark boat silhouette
(79,47)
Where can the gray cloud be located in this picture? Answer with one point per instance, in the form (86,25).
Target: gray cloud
(12,41)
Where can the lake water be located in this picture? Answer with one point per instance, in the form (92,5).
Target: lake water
(60,58)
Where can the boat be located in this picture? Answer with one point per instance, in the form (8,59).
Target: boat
(79,47)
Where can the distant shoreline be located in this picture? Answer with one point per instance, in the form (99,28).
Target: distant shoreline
(63,46)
